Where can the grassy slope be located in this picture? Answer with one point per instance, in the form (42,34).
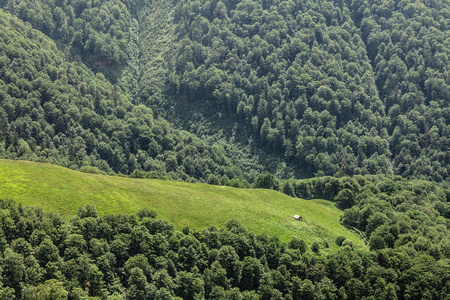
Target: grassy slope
(197,205)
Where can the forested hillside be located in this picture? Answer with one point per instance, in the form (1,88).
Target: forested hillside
(304,88)
(353,87)
(58,111)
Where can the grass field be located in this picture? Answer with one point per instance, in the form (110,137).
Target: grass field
(198,206)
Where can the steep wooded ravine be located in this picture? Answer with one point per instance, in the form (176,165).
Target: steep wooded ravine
(58,111)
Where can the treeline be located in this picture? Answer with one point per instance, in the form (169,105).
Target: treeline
(56,111)
(141,257)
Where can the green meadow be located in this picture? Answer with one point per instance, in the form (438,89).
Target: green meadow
(198,206)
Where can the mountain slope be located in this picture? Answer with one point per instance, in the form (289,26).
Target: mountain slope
(297,88)
(322,87)
(183,204)
(58,111)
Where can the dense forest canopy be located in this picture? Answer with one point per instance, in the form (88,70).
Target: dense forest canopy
(357,86)
(296,88)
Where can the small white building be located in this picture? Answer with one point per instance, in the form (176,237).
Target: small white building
(297,217)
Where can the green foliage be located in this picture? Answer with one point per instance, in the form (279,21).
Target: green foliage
(297,244)
(266,181)
(315,247)
(213,180)
(339,240)
(377,242)
(96,32)
(90,170)
(87,211)
(146,213)
(345,198)
(50,289)
(277,75)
